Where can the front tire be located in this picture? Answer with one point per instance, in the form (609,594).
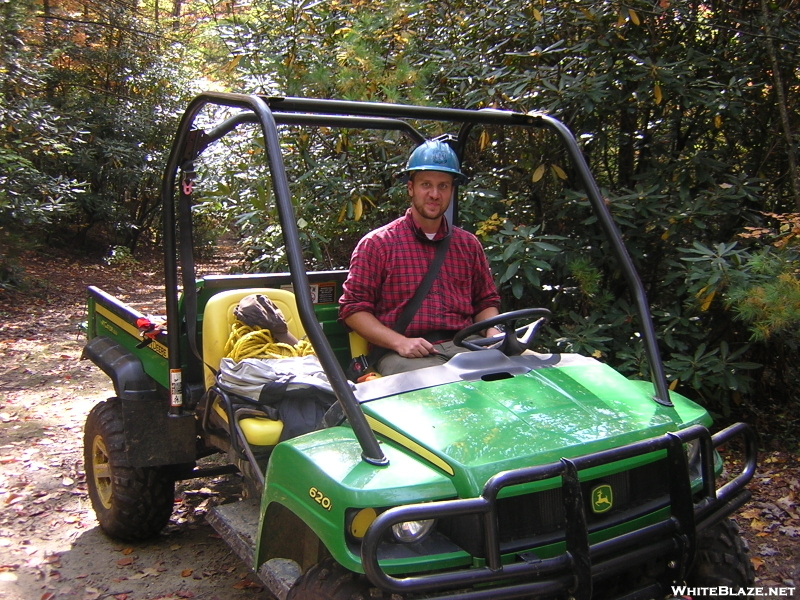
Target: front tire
(328,580)
(722,559)
(130,503)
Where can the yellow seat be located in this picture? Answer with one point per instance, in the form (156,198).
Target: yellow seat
(217,321)
(358,345)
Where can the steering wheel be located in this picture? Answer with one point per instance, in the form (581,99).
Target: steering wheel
(513,341)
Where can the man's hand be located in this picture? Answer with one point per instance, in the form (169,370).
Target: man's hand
(378,334)
(413,347)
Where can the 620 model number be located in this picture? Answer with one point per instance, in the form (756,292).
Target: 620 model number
(320,498)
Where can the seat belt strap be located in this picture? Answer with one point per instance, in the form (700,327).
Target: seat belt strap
(410,309)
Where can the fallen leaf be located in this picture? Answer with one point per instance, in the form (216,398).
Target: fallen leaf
(186,572)
(13,498)
(767,551)
(245,584)
(124,562)
(757,562)
(91,594)
(127,551)
(787,503)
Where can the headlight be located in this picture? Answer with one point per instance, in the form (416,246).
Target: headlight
(692,449)
(412,531)
(692,452)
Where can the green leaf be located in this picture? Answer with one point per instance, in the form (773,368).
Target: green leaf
(547,247)
(512,249)
(510,271)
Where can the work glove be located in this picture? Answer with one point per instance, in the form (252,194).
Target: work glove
(256,310)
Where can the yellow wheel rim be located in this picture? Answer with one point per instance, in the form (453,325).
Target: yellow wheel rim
(101,470)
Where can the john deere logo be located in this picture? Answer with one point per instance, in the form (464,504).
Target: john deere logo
(602,498)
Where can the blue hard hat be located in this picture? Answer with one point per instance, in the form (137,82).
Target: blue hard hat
(433,155)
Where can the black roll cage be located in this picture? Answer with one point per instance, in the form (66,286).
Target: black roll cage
(268,113)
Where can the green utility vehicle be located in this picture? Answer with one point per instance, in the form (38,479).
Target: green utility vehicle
(505,473)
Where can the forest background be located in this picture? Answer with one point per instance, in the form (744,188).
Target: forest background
(686,112)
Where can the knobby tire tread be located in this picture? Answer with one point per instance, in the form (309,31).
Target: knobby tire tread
(142,498)
(722,559)
(328,580)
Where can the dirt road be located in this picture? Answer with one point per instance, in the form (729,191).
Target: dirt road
(50,544)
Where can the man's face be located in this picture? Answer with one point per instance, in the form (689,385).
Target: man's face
(431,192)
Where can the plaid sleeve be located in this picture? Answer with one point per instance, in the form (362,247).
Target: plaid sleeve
(360,289)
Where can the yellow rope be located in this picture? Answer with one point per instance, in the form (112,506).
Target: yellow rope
(249,342)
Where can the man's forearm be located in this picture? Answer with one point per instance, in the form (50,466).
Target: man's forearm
(487,313)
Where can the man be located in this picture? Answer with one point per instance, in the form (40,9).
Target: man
(389,263)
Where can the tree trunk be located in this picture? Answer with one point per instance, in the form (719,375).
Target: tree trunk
(47,13)
(780,98)
(49,42)
(626,153)
(176,14)
(10,52)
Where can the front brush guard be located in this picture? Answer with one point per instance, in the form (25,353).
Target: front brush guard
(574,571)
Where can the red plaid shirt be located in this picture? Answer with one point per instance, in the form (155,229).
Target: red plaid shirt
(389,263)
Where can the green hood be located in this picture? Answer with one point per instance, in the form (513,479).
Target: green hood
(474,429)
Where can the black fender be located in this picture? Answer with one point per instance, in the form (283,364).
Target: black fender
(123,368)
(153,436)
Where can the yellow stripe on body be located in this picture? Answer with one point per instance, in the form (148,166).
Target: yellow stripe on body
(129,328)
(409,444)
